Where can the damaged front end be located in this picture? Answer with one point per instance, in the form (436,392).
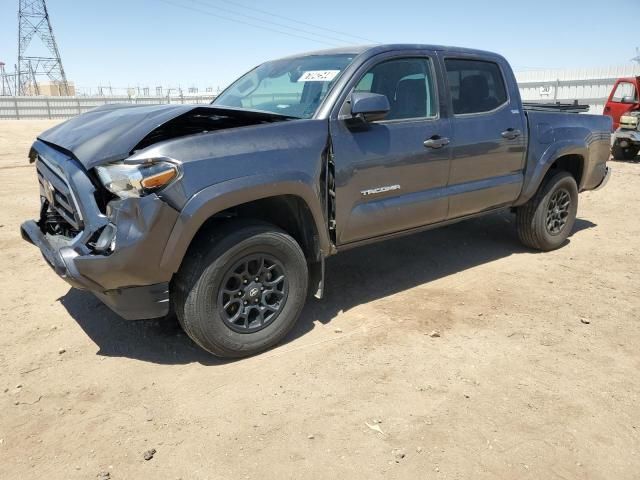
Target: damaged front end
(108,243)
(105,216)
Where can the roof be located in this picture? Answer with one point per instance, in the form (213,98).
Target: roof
(380,48)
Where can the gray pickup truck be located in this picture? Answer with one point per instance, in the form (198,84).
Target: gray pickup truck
(225,213)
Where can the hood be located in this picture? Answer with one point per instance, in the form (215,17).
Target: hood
(114,132)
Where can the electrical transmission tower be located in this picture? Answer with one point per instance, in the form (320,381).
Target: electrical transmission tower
(637,57)
(5,87)
(33,21)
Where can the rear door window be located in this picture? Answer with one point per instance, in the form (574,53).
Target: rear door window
(475,86)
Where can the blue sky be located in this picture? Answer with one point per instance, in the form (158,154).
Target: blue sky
(187,42)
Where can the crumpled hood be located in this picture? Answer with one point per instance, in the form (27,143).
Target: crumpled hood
(110,132)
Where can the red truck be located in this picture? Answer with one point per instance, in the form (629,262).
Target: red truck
(623,106)
(623,99)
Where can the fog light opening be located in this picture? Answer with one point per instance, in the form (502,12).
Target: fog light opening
(106,242)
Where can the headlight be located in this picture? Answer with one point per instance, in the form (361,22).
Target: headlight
(128,180)
(629,122)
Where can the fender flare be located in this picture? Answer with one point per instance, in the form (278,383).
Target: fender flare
(221,196)
(533,178)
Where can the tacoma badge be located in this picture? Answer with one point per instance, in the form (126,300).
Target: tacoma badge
(375,191)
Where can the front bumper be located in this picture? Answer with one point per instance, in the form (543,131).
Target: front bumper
(128,279)
(131,303)
(632,137)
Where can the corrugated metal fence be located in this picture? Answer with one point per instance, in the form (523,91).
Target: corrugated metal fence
(588,86)
(13,108)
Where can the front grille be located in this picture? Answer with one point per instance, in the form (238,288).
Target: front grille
(55,191)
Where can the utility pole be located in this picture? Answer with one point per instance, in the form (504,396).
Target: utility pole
(33,21)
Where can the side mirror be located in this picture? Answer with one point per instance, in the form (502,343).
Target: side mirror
(369,107)
(629,99)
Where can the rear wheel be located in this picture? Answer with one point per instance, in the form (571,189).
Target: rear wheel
(241,289)
(624,153)
(545,221)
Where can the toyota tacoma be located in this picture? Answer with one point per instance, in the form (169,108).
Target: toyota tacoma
(225,213)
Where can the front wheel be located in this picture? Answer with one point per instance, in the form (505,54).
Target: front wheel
(624,153)
(241,289)
(545,221)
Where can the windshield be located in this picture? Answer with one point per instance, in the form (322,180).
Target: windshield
(294,86)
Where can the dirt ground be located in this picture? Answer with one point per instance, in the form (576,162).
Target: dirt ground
(535,374)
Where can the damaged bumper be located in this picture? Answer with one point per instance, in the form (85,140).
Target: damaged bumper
(626,138)
(125,274)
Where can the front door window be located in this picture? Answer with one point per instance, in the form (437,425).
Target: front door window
(408,85)
(625,89)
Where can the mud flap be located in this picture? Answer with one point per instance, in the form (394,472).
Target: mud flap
(316,278)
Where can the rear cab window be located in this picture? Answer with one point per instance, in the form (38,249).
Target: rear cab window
(475,86)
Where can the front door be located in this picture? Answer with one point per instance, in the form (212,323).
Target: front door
(624,97)
(489,130)
(391,175)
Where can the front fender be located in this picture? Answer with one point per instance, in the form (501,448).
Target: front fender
(221,196)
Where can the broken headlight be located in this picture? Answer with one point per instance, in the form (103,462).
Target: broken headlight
(128,180)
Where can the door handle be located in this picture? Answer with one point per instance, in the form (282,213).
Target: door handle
(436,142)
(511,133)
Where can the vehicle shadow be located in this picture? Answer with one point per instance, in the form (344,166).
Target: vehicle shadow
(354,277)
(157,341)
(379,270)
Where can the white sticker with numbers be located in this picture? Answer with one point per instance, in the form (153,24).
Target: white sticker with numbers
(318,75)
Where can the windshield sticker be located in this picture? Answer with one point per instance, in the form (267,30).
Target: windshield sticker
(318,75)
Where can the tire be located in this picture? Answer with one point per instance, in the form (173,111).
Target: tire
(540,225)
(624,153)
(209,274)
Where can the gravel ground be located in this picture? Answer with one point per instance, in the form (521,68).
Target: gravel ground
(534,374)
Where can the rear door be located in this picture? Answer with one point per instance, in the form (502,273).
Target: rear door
(387,179)
(489,134)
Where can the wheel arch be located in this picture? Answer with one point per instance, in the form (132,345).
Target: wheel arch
(568,155)
(289,203)
(572,163)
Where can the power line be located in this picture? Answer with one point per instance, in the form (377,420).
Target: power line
(265,12)
(206,12)
(240,14)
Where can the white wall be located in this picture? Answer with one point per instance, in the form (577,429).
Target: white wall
(15,108)
(588,85)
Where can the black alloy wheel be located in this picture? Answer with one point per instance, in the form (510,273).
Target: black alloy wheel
(253,293)
(558,211)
